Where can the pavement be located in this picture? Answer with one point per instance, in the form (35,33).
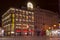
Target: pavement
(25,38)
(29,38)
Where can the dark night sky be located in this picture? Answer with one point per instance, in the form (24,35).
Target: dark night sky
(44,4)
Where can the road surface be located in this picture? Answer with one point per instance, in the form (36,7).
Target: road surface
(25,38)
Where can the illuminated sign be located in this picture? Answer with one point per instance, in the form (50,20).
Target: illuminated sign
(18,30)
(30,5)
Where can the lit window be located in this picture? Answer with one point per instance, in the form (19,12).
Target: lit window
(20,10)
(26,20)
(23,19)
(7,17)
(7,21)
(24,24)
(32,13)
(29,16)
(32,18)
(20,15)
(16,19)
(23,11)
(17,27)
(16,14)
(20,20)
(12,9)
(16,9)
(29,20)
(8,24)
(18,24)
(12,32)
(26,17)
(26,12)
(32,25)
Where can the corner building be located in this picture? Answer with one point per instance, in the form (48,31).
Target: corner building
(17,21)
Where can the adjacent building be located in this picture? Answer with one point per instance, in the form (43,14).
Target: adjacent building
(45,19)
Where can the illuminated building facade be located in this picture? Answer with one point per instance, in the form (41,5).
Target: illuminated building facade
(20,21)
(45,19)
(16,20)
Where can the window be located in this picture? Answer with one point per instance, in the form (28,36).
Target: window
(16,9)
(29,20)
(26,20)
(32,25)
(32,13)
(32,17)
(7,17)
(17,27)
(20,10)
(18,24)
(26,17)
(32,20)
(16,19)
(24,24)
(9,28)
(23,19)
(23,12)
(26,12)
(20,19)
(16,14)
(20,14)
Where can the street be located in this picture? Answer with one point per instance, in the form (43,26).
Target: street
(29,38)
(25,38)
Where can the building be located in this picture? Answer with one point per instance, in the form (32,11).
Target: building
(16,20)
(22,21)
(45,19)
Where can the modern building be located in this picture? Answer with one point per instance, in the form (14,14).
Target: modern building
(26,21)
(16,20)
